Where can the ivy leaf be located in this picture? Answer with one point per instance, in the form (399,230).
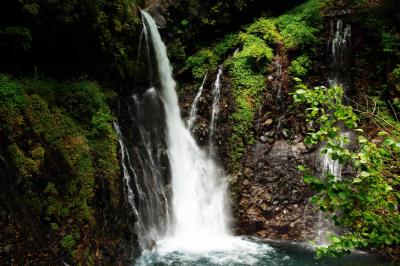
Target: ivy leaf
(300,91)
(388,141)
(335,239)
(365,174)
(301,168)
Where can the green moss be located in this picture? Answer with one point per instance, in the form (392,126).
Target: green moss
(26,166)
(68,242)
(299,26)
(247,91)
(255,48)
(207,58)
(62,145)
(201,62)
(81,100)
(265,28)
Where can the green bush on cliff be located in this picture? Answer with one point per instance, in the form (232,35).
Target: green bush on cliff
(367,203)
(300,66)
(207,59)
(299,26)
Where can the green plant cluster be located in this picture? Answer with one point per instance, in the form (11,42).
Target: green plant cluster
(61,142)
(300,26)
(300,66)
(366,205)
(208,58)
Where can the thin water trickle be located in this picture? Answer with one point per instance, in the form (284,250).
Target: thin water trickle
(216,93)
(193,109)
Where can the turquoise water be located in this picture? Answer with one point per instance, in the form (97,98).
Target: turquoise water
(253,252)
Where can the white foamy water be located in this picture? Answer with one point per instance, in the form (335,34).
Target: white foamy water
(198,185)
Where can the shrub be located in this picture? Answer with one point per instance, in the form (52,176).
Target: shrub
(366,204)
(300,66)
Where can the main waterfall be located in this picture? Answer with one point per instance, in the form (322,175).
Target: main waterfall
(199,226)
(198,187)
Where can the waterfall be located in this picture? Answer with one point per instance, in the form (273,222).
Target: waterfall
(198,189)
(193,110)
(144,185)
(277,81)
(340,46)
(216,92)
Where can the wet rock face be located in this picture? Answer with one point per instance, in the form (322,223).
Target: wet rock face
(201,128)
(274,201)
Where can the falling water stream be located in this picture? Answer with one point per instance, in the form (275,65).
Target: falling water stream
(216,93)
(193,223)
(339,45)
(193,109)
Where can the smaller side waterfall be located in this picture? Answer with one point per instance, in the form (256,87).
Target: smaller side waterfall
(330,166)
(193,110)
(216,92)
(277,81)
(124,157)
(339,46)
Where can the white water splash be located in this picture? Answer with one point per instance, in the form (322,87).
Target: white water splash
(193,110)
(199,204)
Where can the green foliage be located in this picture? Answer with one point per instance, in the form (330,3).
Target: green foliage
(299,27)
(367,204)
(300,66)
(227,45)
(201,62)
(94,37)
(266,29)
(12,98)
(207,59)
(26,166)
(81,100)
(255,49)
(17,36)
(68,242)
(248,87)
(61,145)
(391,42)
